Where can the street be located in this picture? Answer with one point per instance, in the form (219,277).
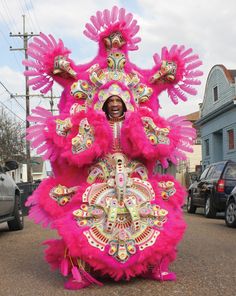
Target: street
(206,264)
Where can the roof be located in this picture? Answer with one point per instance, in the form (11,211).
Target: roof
(193,116)
(229,74)
(233,73)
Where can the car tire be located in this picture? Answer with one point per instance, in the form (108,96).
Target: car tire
(190,207)
(230,214)
(18,222)
(209,210)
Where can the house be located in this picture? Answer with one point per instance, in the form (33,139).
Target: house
(217,121)
(38,167)
(193,162)
(39,170)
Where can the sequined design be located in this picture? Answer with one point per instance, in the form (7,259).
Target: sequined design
(62,194)
(114,40)
(100,171)
(84,139)
(120,212)
(82,90)
(141,93)
(96,75)
(116,62)
(116,129)
(165,74)
(114,71)
(114,90)
(168,188)
(63,127)
(155,134)
(76,108)
(62,67)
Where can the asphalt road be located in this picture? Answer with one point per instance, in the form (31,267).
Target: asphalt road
(206,265)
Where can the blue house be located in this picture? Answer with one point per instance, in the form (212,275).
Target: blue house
(218,116)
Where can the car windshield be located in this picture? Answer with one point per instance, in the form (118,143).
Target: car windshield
(230,171)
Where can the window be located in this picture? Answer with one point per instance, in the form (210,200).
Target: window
(207,148)
(230,172)
(230,139)
(203,175)
(215,93)
(216,171)
(198,140)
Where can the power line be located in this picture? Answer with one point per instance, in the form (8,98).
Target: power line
(7,25)
(21,7)
(11,111)
(15,56)
(11,95)
(29,14)
(35,16)
(11,19)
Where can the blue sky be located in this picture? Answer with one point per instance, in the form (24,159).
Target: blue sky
(206,26)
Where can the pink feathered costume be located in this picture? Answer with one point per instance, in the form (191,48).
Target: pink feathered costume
(114,216)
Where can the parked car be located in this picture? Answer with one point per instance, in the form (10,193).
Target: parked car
(211,189)
(10,200)
(230,209)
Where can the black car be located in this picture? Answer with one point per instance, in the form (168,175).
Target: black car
(230,209)
(10,200)
(211,189)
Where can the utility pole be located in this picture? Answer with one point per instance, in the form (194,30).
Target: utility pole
(51,102)
(25,36)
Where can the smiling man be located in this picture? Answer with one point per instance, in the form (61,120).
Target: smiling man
(114,107)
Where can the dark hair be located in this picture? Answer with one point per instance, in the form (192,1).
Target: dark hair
(105,107)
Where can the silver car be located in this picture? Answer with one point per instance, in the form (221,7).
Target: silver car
(230,209)
(10,201)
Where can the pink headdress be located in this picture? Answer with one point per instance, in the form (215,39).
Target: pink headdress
(114,88)
(107,22)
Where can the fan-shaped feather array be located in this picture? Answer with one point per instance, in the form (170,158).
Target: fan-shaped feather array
(43,50)
(187,71)
(105,19)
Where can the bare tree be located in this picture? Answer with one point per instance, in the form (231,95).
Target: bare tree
(12,138)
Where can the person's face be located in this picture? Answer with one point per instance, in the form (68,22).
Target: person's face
(115,107)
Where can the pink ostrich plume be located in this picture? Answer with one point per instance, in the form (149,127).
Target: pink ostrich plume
(36,133)
(118,19)
(186,74)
